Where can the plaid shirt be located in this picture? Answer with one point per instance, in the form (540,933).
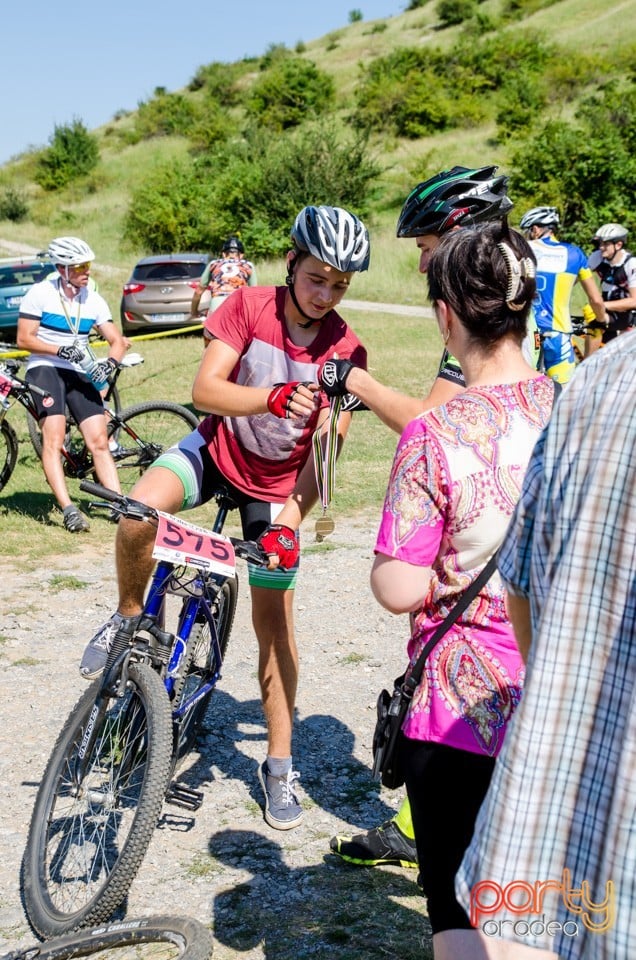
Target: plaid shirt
(563,796)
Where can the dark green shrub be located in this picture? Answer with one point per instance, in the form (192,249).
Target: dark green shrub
(587,171)
(219,80)
(166,114)
(451,12)
(73,153)
(289,92)
(355,16)
(519,103)
(256,186)
(274,54)
(13,205)
(170,210)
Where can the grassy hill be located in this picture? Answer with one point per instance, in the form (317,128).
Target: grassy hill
(96,205)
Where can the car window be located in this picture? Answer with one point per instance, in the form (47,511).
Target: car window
(168,271)
(23,275)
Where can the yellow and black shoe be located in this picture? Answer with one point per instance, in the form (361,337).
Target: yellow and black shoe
(383,844)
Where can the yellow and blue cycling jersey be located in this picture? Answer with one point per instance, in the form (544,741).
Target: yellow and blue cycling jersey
(559,266)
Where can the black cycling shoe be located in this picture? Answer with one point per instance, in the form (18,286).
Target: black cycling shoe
(383,844)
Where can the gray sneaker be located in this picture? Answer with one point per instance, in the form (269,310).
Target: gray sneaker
(96,652)
(282,807)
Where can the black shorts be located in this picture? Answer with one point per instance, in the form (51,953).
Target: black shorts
(66,388)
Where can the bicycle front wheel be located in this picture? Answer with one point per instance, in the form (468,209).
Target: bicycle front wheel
(8,452)
(148,938)
(143,432)
(200,664)
(98,805)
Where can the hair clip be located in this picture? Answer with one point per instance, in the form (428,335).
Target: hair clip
(518,270)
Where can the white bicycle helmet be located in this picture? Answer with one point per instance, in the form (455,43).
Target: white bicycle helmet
(334,236)
(611,232)
(540,217)
(69,251)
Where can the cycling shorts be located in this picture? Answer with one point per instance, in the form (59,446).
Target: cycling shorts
(558,357)
(67,389)
(191,462)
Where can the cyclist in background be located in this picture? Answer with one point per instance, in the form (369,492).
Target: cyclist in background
(56,317)
(559,266)
(258,380)
(461,197)
(224,275)
(616,268)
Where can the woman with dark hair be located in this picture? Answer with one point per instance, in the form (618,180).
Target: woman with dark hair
(455,480)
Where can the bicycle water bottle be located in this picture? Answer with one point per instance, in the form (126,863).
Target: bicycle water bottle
(89,364)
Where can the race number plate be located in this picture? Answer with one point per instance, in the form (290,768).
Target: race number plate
(188,545)
(5,386)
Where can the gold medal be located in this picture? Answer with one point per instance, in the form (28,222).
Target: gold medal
(324,526)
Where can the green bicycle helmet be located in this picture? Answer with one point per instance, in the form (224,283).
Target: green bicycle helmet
(454,198)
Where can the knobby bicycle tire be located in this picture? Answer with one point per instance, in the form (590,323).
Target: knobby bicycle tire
(158,424)
(89,833)
(182,938)
(197,665)
(8,452)
(73,439)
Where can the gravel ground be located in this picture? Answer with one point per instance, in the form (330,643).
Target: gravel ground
(265,893)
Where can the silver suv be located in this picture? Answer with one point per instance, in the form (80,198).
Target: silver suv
(159,292)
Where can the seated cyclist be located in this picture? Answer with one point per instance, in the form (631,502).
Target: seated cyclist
(56,316)
(559,266)
(258,381)
(461,197)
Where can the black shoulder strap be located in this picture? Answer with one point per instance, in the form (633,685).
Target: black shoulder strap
(466,598)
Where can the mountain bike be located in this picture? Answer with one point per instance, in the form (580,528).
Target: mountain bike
(146,938)
(114,761)
(137,435)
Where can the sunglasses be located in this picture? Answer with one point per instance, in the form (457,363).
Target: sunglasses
(81,267)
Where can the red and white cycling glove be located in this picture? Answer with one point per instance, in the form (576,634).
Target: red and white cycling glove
(281,397)
(280,541)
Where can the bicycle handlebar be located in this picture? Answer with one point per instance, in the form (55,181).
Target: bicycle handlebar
(136,510)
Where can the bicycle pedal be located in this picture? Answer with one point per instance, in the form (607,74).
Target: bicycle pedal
(182,796)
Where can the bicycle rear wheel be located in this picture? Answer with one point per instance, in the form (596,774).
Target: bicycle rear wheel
(148,938)
(143,432)
(200,664)
(96,811)
(8,452)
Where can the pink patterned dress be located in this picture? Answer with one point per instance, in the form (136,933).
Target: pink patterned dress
(455,480)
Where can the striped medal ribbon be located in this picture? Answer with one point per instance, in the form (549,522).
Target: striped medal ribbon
(325,467)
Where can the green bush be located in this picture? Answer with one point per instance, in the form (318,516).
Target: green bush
(73,153)
(587,170)
(289,92)
(169,211)
(255,186)
(13,205)
(520,101)
(220,81)
(451,12)
(355,16)
(166,114)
